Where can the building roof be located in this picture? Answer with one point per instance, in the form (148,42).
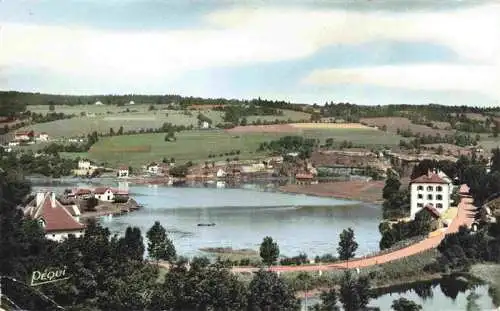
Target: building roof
(303,176)
(119,191)
(429,178)
(81,191)
(123,168)
(101,190)
(432,210)
(56,216)
(24,132)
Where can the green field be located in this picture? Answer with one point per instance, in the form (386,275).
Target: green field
(102,118)
(137,150)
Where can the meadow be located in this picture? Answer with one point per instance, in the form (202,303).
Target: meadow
(101,118)
(139,149)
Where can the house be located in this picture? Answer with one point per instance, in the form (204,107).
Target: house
(153,168)
(43,137)
(221,173)
(98,103)
(104,194)
(205,125)
(24,135)
(433,189)
(304,178)
(84,164)
(58,220)
(81,193)
(123,172)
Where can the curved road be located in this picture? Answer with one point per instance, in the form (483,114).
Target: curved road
(463,217)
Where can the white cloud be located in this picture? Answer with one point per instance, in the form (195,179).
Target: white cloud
(245,36)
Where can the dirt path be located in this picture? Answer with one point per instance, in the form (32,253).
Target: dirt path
(463,218)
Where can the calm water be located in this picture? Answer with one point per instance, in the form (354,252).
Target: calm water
(243,216)
(433,297)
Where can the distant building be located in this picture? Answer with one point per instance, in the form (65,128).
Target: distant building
(81,193)
(84,164)
(24,135)
(43,137)
(205,125)
(433,189)
(104,194)
(221,173)
(123,172)
(153,168)
(58,220)
(98,103)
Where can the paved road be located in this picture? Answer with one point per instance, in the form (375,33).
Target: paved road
(464,217)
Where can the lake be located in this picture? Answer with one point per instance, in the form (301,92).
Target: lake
(443,295)
(244,216)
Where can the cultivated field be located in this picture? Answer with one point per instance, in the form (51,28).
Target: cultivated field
(332,126)
(393,123)
(102,118)
(196,146)
(287,114)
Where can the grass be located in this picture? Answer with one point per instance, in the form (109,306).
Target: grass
(489,273)
(137,150)
(102,118)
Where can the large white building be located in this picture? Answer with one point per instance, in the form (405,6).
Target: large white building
(58,220)
(433,189)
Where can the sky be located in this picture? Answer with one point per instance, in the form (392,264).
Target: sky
(368,52)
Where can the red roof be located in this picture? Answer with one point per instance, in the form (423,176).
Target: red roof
(123,168)
(24,133)
(430,178)
(431,209)
(303,176)
(56,218)
(82,191)
(119,191)
(101,190)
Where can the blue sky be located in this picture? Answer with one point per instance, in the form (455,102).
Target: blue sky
(366,52)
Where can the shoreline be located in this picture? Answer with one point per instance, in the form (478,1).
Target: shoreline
(106,209)
(355,190)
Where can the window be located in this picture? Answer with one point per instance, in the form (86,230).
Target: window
(420,204)
(420,188)
(439,197)
(420,196)
(429,197)
(439,188)
(430,188)
(439,205)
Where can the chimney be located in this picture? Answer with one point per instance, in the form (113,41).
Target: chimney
(40,195)
(53,199)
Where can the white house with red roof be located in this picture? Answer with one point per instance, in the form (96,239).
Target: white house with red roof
(58,220)
(107,194)
(80,193)
(23,135)
(123,172)
(433,189)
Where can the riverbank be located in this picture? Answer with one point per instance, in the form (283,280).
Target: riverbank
(364,191)
(489,273)
(109,208)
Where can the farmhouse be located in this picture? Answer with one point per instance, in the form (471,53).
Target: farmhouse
(24,136)
(80,193)
(123,172)
(43,137)
(153,168)
(58,220)
(104,194)
(433,189)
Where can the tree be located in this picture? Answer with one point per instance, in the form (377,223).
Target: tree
(392,185)
(347,245)
(403,304)
(111,131)
(496,129)
(269,251)
(328,301)
(354,292)
(131,245)
(120,131)
(495,160)
(52,107)
(268,292)
(160,247)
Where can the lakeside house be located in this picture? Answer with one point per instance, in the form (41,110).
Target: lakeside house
(80,193)
(304,178)
(107,194)
(433,189)
(123,172)
(153,168)
(58,220)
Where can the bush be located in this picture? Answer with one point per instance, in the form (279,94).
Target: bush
(327,258)
(294,261)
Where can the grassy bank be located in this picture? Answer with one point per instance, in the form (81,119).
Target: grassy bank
(198,145)
(489,273)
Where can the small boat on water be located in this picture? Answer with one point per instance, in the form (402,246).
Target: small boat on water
(206,225)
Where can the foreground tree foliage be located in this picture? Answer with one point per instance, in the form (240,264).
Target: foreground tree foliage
(347,245)
(108,272)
